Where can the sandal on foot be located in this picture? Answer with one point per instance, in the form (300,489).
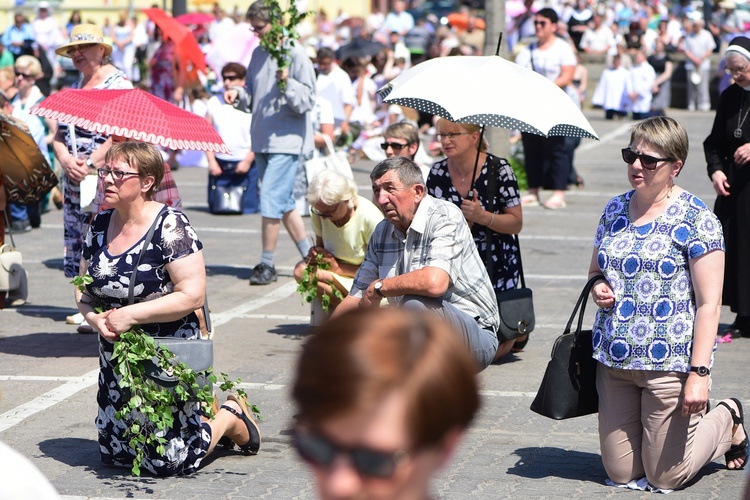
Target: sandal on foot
(518,345)
(554,204)
(224,441)
(736,451)
(530,200)
(253,444)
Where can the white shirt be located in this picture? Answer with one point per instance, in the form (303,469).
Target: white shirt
(233,126)
(643,77)
(336,87)
(613,89)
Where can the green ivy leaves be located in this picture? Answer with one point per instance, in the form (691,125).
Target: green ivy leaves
(308,287)
(283,28)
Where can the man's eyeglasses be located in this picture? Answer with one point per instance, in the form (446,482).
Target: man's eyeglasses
(451,136)
(79,48)
(230,77)
(393,145)
(647,161)
(321,451)
(541,23)
(116,174)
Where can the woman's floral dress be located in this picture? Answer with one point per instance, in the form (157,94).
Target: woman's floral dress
(174,238)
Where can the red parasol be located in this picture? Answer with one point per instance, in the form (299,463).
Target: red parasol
(134,114)
(184,41)
(195,18)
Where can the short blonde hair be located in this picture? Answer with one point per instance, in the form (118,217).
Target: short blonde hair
(664,133)
(29,64)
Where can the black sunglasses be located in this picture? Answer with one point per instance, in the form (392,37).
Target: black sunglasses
(541,23)
(396,146)
(230,77)
(649,162)
(23,75)
(321,451)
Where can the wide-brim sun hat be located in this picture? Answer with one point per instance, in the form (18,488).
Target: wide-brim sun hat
(84,34)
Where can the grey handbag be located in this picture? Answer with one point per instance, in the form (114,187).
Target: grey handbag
(196,353)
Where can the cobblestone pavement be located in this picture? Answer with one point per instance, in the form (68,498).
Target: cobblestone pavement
(48,372)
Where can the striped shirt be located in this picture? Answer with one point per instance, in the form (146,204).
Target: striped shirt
(437,237)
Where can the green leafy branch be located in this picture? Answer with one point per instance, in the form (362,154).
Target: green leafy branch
(148,411)
(308,287)
(282,34)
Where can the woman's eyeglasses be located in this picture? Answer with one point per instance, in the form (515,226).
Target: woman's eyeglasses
(23,75)
(394,145)
(647,161)
(321,451)
(325,215)
(451,136)
(117,174)
(735,71)
(79,48)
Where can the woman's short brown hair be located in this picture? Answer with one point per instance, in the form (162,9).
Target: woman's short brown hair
(145,158)
(356,360)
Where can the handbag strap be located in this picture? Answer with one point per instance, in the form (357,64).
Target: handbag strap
(492,189)
(7,229)
(149,236)
(582,299)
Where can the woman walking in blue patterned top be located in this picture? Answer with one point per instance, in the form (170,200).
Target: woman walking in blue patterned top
(661,251)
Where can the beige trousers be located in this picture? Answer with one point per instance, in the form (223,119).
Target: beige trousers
(643,433)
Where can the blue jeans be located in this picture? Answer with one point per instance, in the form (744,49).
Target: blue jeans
(481,343)
(276,172)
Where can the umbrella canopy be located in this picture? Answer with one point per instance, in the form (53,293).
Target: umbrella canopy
(359,48)
(28,176)
(489,91)
(195,18)
(134,114)
(185,44)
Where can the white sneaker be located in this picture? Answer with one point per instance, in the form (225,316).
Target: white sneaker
(74,319)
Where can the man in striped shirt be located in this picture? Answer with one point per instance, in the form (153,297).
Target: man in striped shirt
(423,256)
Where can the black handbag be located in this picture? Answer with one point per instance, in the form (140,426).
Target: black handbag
(516,306)
(227,199)
(568,388)
(196,353)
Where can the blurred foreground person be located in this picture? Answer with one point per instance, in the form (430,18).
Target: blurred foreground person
(383,399)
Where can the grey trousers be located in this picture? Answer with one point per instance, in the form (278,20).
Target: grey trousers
(481,343)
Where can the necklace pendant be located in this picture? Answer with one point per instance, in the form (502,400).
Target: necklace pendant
(737,133)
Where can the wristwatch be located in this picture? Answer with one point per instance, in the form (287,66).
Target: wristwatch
(378,288)
(700,370)
(89,163)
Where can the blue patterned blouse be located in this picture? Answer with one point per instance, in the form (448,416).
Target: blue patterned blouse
(650,326)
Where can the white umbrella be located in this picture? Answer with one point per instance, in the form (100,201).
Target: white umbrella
(488,91)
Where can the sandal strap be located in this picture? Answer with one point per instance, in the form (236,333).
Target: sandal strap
(235,412)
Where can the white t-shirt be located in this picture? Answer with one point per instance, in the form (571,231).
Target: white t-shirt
(364,112)
(233,126)
(549,62)
(336,87)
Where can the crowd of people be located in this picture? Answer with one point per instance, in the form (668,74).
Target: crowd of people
(437,241)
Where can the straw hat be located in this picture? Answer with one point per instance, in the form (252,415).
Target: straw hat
(83,34)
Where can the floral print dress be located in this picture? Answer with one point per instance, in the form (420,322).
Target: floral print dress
(174,238)
(505,267)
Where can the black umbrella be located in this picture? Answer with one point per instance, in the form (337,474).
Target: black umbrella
(359,48)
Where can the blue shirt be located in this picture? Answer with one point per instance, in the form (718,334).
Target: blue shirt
(15,34)
(650,326)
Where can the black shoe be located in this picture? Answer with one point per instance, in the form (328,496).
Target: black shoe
(263,274)
(20,226)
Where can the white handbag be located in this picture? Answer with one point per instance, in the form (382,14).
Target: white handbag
(88,188)
(336,161)
(12,273)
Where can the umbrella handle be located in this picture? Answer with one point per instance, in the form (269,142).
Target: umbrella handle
(73,141)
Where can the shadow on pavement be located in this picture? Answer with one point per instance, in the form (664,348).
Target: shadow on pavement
(292,332)
(545,461)
(55,313)
(51,345)
(53,264)
(242,273)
